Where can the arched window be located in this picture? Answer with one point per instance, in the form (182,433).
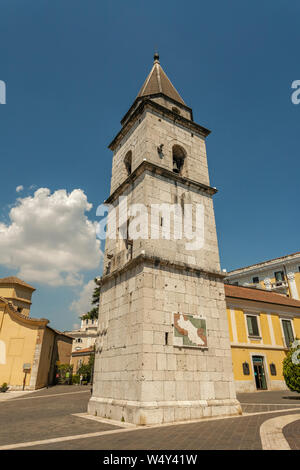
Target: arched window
(128,162)
(178,158)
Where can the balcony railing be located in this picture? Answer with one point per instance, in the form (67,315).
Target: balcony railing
(280,286)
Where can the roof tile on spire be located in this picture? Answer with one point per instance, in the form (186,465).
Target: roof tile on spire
(158,82)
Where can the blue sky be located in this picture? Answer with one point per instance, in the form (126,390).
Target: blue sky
(73,68)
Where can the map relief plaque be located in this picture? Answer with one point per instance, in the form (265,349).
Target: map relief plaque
(189,331)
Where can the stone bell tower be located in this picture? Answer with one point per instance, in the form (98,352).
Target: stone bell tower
(163,351)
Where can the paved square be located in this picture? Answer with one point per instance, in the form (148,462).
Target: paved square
(49,416)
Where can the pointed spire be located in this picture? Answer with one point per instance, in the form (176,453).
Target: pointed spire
(158,82)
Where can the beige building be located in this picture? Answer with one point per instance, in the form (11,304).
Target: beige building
(281,275)
(85,336)
(80,357)
(29,348)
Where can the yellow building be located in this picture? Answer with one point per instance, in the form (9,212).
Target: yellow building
(18,293)
(29,348)
(262,325)
(280,275)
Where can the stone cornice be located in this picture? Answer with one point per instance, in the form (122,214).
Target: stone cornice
(154,95)
(158,170)
(148,104)
(157,261)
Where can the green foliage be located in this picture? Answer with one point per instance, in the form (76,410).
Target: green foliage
(64,374)
(86,370)
(75,379)
(291,370)
(92,360)
(93,313)
(64,368)
(4,387)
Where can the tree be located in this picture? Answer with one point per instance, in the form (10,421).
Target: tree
(291,367)
(93,313)
(87,370)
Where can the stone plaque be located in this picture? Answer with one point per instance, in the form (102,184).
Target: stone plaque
(189,331)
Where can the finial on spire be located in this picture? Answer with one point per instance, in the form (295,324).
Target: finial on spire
(156,57)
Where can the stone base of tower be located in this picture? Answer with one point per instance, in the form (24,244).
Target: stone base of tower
(151,413)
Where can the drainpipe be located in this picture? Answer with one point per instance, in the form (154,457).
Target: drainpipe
(288,283)
(51,370)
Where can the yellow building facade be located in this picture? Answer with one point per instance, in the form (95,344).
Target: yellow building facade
(262,325)
(29,348)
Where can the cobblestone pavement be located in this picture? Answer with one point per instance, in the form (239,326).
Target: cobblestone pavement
(283,397)
(49,413)
(268,401)
(46,414)
(224,434)
(292,434)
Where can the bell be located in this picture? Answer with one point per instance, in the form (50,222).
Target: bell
(176,168)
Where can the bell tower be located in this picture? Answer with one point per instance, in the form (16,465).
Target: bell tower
(163,351)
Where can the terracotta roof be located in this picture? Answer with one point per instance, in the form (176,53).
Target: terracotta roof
(15,280)
(60,333)
(158,82)
(259,295)
(85,350)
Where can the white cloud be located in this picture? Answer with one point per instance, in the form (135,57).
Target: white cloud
(19,188)
(50,239)
(83,303)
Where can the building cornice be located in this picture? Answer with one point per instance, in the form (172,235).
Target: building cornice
(258,346)
(231,299)
(261,308)
(20,299)
(158,261)
(148,104)
(19,316)
(82,352)
(288,260)
(158,170)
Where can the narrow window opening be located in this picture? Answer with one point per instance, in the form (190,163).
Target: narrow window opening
(178,159)
(128,162)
